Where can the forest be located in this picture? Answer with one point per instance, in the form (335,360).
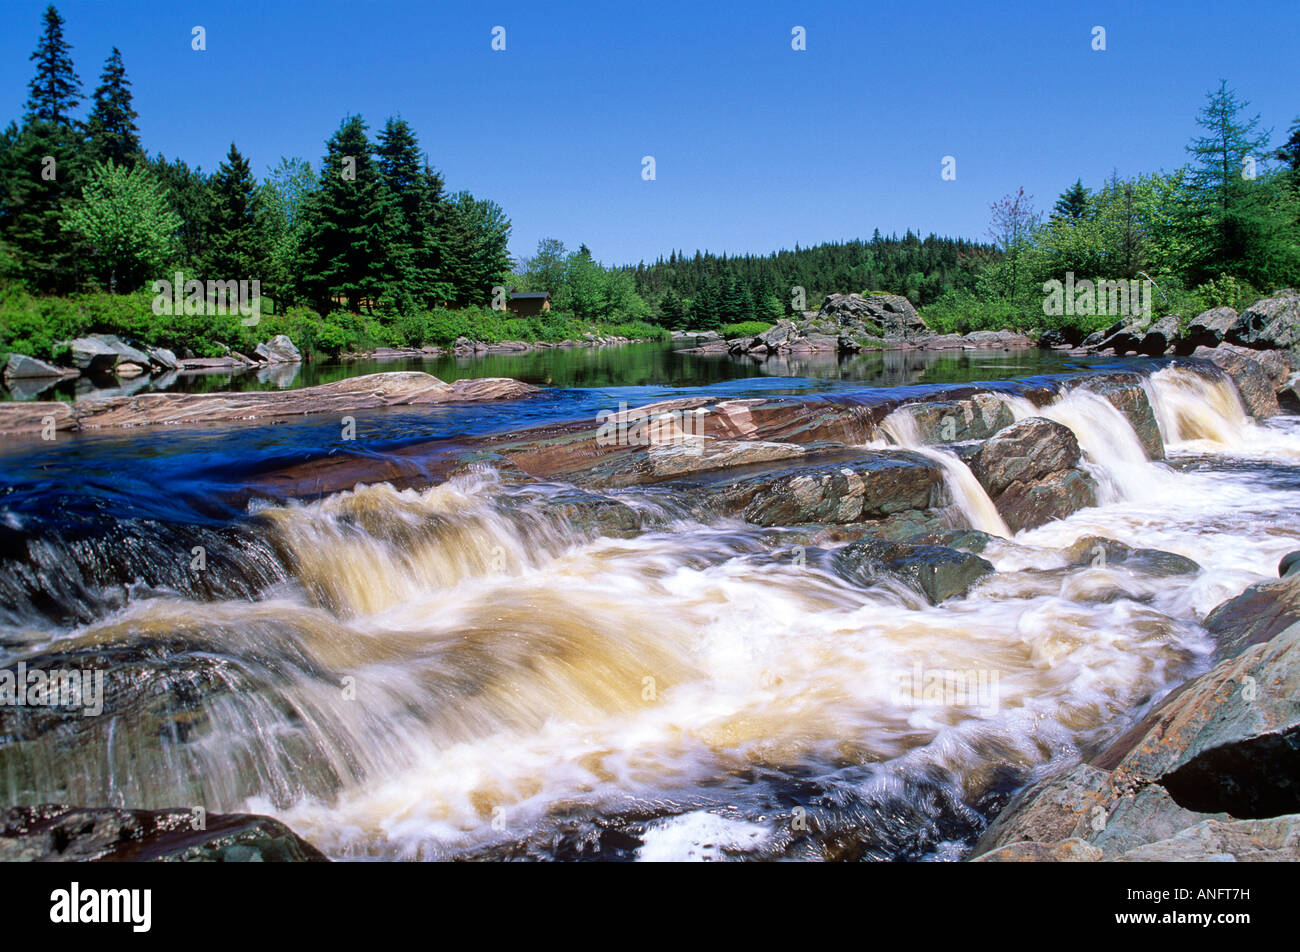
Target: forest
(370,247)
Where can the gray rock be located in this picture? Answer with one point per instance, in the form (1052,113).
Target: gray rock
(1095,550)
(1159,337)
(1272,322)
(1290,565)
(1276,839)
(1256,615)
(99,353)
(886,315)
(937,572)
(1208,329)
(1253,379)
(164,358)
(22,367)
(279,350)
(1030,471)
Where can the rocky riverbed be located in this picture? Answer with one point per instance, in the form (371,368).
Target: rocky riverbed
(1034,619)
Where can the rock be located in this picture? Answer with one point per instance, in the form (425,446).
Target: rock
(1227,741)
(1159,337)
(875,485)
(22,367)
(1008,340)
(1095,550)
(406,388)
(1288,397)
(1093,340)
(949,421)
(888,315)
(1290,565)
(61,833)
(1066,851)
(1126,339)
(164,358)
(278,350)
(1030,471)
(1062,337)
(28,417)
(1276,839)
(128,369)
(1253,379)
(937,572)
(1208,329)
(1268,323)
(1147,816)
(206,364)
(98,353)
(1256,615)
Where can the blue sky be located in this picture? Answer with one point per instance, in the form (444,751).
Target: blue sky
(757,147)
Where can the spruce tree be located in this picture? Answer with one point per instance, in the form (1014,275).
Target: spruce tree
(347,242)
(1073,202)
(111,132)
(55,90)
(237,248)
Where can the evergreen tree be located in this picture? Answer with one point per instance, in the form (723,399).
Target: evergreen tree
(55,90)
(237,248)
(346,247)
(111,132)
(476,234)
(190,196)
(418,252)
(1073,202)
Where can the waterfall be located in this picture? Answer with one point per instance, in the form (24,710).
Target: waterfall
(967,493)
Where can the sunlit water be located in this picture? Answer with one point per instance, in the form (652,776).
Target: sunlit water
(459,672)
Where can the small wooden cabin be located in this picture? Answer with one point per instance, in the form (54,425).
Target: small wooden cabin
(528,303)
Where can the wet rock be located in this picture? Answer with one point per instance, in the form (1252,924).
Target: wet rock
(61,833)
(1095,550)
(1254,381)
(1290,565)
(974,418)
(935,571)
(1272,322)
(1208,329)
(876,485)
(356,393)
(1054,808)
(279,350)
(1227,741)
(1159,337)
(31,417)
(1256,615)
(21,367)
(1030,472)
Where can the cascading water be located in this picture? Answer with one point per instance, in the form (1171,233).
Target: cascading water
(468,671)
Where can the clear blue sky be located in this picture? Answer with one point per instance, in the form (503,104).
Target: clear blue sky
(757,146)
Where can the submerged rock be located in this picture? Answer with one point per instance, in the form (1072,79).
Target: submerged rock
(937,572)
(1095,550)
(62,833)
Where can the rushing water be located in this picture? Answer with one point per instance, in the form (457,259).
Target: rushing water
(462,672)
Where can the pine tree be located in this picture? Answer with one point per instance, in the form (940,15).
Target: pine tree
(418,253)
(111,132)
(237,249)
(55,90)
(347,241)
(1073,202)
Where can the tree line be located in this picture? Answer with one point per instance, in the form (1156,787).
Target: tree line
(82,206)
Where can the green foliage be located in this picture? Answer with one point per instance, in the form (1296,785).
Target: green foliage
(124,219)
(745,329)
(111,131)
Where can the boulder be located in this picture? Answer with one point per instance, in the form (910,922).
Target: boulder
(1290,565)
(1253,379)
(99,353)
(1061,337)
(1272,322)
(1030,471)
(887,315)
(935,571)
(1256,615)
(1159,337)
(62,833)
(1098,551)
(1123,340)
(278,350)
(1073,850)
(1208,329)
(1276,839)
(22,367)
(1126,394)
(164,358)
(1288,397)
(128,369)
(950,421)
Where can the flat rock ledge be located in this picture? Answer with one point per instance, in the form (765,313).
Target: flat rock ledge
(372,391)
(54,832)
